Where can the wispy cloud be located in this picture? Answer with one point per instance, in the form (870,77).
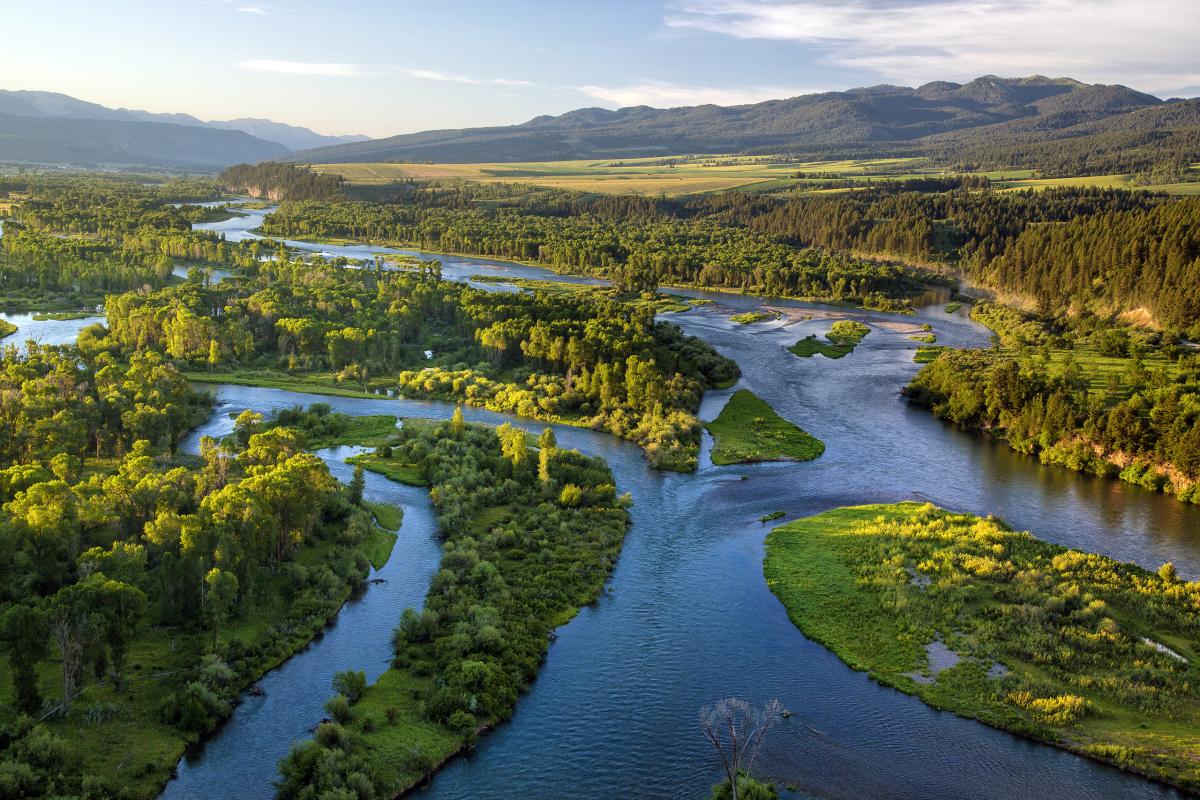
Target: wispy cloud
(449,77)
(256,10)
(663,94)
(306,68)
(1130,41)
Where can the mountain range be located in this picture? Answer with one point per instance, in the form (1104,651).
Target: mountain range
(882,117)
(47,127)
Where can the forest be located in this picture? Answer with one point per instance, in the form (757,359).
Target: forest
(584,358)
(143,589)
(1101,250)
(1101,400)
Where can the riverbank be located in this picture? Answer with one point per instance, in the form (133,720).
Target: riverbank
(1070,648)
(749,430)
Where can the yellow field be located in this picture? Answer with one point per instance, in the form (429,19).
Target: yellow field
(678,175)
(648,176)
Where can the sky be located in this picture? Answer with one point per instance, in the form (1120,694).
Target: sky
(381,68)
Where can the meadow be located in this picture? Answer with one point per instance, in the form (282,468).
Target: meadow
(1071,648)
(748,429)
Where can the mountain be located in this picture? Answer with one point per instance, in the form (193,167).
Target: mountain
(880,115)
(126,143)
(274,138)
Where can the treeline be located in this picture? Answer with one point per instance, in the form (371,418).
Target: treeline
(587,357)
(529,536)
(141,590)
(73,241)
(281,181)
(1143,425)
(637,250)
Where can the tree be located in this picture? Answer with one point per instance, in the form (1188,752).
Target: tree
(457,425)
(26,631)
(736,731)
(357,484)
(351,684)
(221,591)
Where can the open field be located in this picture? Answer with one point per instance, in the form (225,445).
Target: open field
(677,175)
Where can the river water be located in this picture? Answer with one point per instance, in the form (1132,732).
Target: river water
(688,618)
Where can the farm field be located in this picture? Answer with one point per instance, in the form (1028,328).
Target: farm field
(698,174)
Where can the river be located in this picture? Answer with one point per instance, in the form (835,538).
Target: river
(688,618)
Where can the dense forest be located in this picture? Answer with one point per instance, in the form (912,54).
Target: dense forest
(280,181)
(1105,251)
(586,358)
(1100,401)
(142,589)
(75,239)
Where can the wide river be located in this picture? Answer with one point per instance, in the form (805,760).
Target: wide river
(688,618)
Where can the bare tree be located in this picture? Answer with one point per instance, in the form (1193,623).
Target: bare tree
(736,731)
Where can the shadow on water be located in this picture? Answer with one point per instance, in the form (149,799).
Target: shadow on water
(688,619)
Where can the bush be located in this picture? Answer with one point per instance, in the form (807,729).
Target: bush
(350,684)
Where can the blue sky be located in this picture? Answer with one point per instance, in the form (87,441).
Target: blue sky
(380,68)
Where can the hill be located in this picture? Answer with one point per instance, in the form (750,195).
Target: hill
(121,143)
(167,146)
(882,119)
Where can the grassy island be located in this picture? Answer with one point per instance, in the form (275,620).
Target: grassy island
(751,317)
(843,337)
(748,429)
(7,328)
(530,535)
(1071,648)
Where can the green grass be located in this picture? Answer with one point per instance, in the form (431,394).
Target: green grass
(774,515)
(925,338)
(391,468)
(843,337)
(927,353)
(6,328)
(62,315)
(748,429)
(387,516)
(751,317)
(952,307)
(370,430)
(877,584)
(378,548)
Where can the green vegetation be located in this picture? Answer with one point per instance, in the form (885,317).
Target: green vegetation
(751,317)
(387,516)
(6,328)
(748,429)
(1093,654)
(927,354)
(530,536)
(1096,399)
(279,181)
(843,337)
(927,338)
(953,307)
(580,358)
(140,590)
(774,515)
(320,427)
(62,315)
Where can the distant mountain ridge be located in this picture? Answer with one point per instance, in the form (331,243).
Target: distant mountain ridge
(66,130)
(883,115)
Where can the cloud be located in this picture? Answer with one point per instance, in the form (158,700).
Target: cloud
(434,75)
(305,68)
(1151,43)
(257,10)
(664,95)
